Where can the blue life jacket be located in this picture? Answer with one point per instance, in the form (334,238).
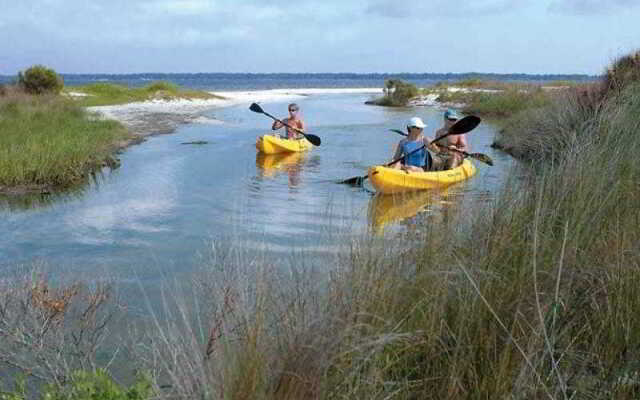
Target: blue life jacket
(420,158)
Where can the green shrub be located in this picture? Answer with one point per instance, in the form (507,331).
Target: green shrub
(396,93)
(40,79)
(400,92)
(162,85)
(99,386)
(623,71)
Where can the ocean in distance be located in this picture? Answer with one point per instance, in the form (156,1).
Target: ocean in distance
(250,81)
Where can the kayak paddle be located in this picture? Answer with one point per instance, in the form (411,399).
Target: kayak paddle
(315,140)
(477,156)
(461,126)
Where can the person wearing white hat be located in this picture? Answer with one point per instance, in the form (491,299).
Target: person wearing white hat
(420,160)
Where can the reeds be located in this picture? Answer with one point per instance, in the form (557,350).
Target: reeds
(532,296)
(47,140)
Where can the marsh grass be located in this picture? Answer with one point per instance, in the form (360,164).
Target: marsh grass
(532,296)
(99,94)
(48,140)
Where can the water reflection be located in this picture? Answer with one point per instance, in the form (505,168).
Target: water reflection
(386,209)
(35,201)
(269,165)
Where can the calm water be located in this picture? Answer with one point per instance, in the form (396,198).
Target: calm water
(242,81)
(168,202)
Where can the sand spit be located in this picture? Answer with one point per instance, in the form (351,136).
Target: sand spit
(163,116)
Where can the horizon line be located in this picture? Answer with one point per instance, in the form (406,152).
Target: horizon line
(322,73)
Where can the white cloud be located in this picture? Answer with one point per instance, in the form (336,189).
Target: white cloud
(312,36)
(183,7)
(591,7)
(447,8)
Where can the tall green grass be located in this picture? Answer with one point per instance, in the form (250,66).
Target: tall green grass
(47,140)
(532,296)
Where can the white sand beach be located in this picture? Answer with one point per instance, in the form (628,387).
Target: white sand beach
(163,116)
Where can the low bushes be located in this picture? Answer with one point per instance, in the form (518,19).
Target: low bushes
(396,93)
(40,80)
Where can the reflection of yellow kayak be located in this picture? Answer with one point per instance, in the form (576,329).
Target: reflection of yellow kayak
(388,208)
(390,180)
(270,163)
(270,144)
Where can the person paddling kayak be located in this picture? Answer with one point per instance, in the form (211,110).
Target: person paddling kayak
(458,142)
(419,160)
(294,120)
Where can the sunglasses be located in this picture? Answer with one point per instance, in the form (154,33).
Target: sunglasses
(293,109)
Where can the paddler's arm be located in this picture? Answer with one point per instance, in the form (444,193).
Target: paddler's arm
(431,146)
(398,153)
(302,128)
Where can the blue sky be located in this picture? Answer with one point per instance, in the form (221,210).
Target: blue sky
(501,36)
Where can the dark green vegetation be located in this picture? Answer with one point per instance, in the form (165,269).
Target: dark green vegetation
(96,385)
(99,94)
(397,93)
(39,80)
(49,141)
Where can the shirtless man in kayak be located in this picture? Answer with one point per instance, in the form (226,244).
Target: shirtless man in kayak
(294,120)
(458,142)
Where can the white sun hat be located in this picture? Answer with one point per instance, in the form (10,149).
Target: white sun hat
(417,122)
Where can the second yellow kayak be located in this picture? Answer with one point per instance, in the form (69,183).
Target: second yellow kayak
(390,180)
(270,144)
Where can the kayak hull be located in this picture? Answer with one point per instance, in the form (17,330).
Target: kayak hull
(269,144)
(389,180)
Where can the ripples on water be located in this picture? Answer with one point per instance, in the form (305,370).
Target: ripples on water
(167,203)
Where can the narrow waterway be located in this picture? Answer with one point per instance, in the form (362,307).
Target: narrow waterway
(169,201)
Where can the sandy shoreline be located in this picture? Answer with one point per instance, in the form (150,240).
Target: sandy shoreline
(161,116)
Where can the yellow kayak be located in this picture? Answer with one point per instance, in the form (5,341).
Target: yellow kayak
(270,144)
(390,180)
(269,164)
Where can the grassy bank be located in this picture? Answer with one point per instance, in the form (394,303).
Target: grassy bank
(100,94)
(533,296)
(49,141)
(530,296)
(499,100)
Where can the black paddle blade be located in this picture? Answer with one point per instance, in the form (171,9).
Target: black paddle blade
(315,140)
(355,181)
(464,125)
(399,132)
(482,157)
(256,108)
